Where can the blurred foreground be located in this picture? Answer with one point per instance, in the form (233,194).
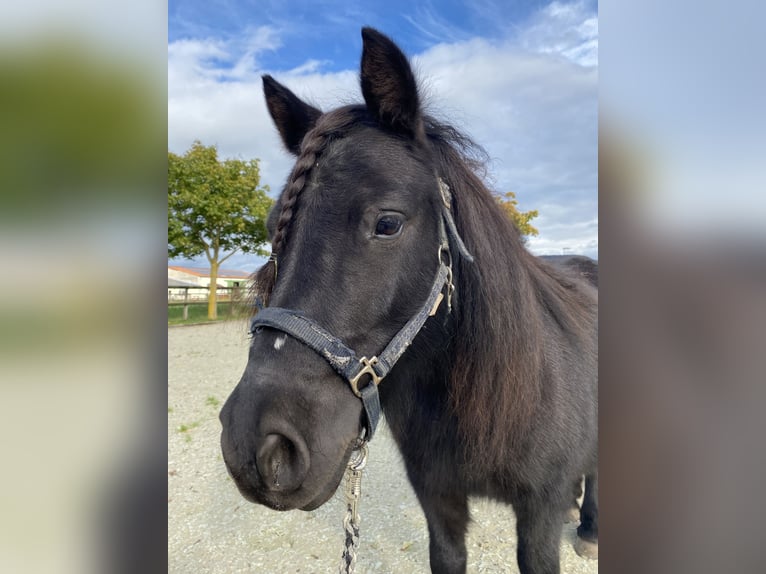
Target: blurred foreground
(82,392)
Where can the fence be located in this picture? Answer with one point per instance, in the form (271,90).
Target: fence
(178,296)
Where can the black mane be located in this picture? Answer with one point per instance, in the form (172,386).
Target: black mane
(505,300)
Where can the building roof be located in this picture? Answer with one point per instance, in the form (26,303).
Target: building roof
(205,272)
(178,283)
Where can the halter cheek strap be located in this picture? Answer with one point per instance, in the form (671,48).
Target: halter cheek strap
(342,358)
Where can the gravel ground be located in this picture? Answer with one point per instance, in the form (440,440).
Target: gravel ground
(211,528)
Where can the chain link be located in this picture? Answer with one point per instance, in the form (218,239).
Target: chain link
(353,492)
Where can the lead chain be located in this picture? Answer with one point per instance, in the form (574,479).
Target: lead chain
(353,492)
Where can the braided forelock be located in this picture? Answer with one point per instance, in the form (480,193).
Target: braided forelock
(313,144)
(311,147)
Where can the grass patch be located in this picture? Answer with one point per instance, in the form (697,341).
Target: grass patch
(198,313)
(187,428)
(212,401)
(170,410)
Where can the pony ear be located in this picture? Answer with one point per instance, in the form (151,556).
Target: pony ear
(292,116)
(388,84)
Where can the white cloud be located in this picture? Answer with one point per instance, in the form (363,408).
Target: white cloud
(530,101)
(195,60)
(259,40)
(537,117)
(430,24)
(568,30)
(189,63)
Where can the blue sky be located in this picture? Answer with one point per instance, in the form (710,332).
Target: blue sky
(520,77)
(327,31)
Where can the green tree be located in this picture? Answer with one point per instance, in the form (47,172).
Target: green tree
(509,204)
(214,207)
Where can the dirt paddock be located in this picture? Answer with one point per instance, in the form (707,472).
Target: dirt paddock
(212,529)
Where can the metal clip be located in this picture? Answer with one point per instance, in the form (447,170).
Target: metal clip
(356,464)
(273,258)
(444,249)
(444,191)
(368,369)
(450,289)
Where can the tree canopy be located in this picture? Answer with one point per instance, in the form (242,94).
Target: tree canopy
(215,207)
(509,204)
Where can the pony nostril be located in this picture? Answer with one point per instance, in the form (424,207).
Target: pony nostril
(282,462)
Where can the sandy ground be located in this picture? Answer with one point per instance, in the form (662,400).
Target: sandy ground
(212,529)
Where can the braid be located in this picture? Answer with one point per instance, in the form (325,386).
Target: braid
(266,276)
(328,126)
(310,149)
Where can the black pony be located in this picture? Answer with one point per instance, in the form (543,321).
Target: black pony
(495,395)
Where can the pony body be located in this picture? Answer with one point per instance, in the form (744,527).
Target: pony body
(496,396)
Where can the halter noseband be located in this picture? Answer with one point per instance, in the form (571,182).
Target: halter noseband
(342,358)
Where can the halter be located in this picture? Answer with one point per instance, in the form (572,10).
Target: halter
(342,358)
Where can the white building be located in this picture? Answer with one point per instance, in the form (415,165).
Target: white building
(196,281)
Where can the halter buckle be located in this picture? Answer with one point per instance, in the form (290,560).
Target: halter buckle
(368,369)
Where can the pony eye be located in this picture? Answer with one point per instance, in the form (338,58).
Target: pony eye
(388,226)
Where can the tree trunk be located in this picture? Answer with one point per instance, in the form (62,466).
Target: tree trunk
(212,298)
